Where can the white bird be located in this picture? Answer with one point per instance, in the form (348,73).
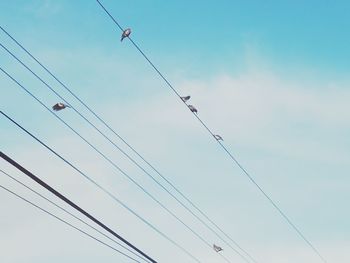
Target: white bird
(218,137)
(59,106)
(217,248)
(185,98)
(192,108)
(126,33)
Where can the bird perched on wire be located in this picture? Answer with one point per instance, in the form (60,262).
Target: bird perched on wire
(218,137)
(60,106)
(126,33)
(192,108)
(217,248)
(185,98)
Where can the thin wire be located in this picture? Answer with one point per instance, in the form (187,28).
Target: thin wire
(71,214)
(101,188)
(222,146)
(132,148)
(72,204)
(116,166)
(67,223)
(125,154)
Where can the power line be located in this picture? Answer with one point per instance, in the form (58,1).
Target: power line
(101,188)
(67,223)
(71,214)
(72,204)
(221,145)
(130,147)
(132,160)
(116,166)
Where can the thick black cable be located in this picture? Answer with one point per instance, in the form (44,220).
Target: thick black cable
(72,204)
(115,166)
(101,188)
(125,154)
(131,147)
(67,223)
(222,146)
(71,214)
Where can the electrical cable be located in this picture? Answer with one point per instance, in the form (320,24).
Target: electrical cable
(67,223)
(101,188)
(115,166)
(72,204)
(128,156)
(71,214)
(273,203)
(133,149)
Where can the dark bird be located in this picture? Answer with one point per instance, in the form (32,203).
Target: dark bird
(218,137)
(217,248)
(126,33)
(192,108)
(59,106)
(185,98)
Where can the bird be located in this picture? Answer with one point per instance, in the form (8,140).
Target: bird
(217,248)
(60,106)
(192,108)
(218,137)
(185,98)
(126,33)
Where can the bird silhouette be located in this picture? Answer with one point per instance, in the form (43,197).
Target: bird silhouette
(60,106)
(218,137)
(192,108)
(217,248)
(185,98)
(126,33)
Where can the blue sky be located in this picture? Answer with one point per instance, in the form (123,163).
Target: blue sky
(270,77)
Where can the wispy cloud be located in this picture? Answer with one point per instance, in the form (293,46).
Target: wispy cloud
(44,8)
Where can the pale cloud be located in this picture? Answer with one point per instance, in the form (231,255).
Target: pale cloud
(250,109)
(44,8)
(254,110)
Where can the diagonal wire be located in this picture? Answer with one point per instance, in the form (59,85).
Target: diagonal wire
(67,223)
(101,188)
(71,214)
(114,165)
(132,148)
(125,154)
(272,202)
(70,203)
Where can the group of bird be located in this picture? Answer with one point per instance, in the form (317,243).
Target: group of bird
(194,110)
(126,33)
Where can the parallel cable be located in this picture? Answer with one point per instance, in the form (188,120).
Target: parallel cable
(133,150)
(127,155)
(71,214)
(101,188)
(67,223)
(115,166)
(273,203)
(72,204)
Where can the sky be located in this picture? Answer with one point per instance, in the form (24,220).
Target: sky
(269,76)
